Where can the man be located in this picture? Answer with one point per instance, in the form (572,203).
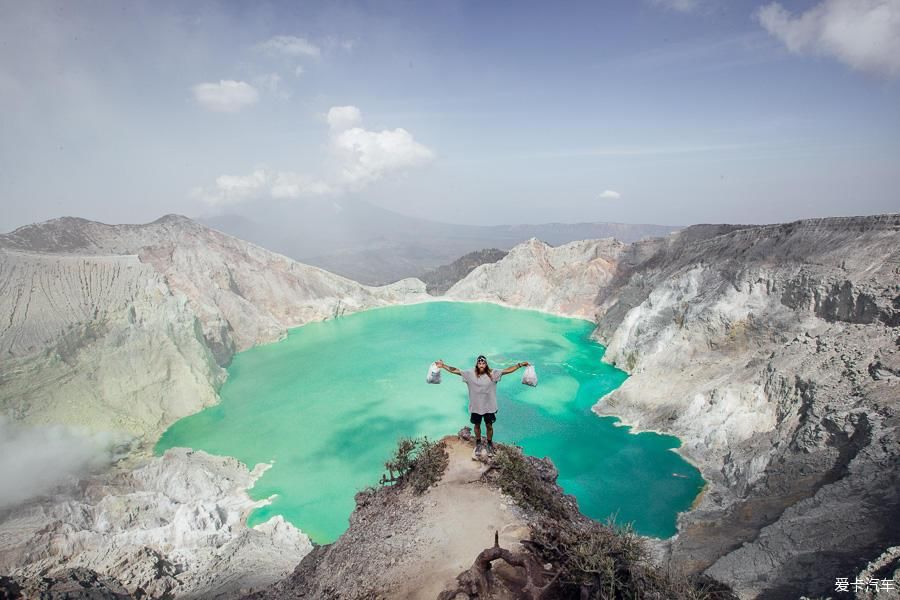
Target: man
(482,384)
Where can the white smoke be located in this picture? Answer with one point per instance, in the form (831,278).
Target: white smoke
(35,460)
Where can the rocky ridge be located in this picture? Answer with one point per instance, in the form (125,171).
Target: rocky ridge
(129,325)
(772,352)
(439,280)
(173,526)
(563,280)
(125,329)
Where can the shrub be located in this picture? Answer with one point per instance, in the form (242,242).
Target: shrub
(519,480)
(418,462)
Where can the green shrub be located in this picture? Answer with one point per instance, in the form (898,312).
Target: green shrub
(418,462)
(519,480)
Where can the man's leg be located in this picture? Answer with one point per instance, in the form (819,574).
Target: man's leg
(478,433)
(476,421)
(489,424)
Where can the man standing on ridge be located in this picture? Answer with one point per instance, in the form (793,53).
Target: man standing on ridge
(482,383)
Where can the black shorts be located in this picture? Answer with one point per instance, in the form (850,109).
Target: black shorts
(489,418)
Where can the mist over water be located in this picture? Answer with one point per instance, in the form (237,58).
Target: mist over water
(327,405)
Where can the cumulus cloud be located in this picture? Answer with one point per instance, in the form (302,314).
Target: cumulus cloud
(37,460)
(864,34)
(225,96)
(610,195)
(343,117)
(289,45)
(366,156)
(357,157)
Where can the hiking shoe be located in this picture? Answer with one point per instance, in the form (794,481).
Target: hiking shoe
(490,448)
(479,449)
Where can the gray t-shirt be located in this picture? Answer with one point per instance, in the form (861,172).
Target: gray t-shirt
(482,391)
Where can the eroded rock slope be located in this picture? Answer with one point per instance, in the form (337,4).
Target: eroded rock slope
(172,527)
(773,352)
(126,327)
(562,280)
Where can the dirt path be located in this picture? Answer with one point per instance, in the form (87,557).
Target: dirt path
(460,517)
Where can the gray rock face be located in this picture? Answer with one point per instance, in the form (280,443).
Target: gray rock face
(66,584)
(170,526)
(127,325)
(441,279)
(563,280)
(772,352)
(125,329)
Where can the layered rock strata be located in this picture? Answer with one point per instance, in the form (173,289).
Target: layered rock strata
(770,352)
(173,526)
(773,352)
(126,327)
(563,280)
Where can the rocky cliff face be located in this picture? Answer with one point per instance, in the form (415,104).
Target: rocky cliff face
(125,329)
(773,353)
(441,279)
(172,526)
(563,280)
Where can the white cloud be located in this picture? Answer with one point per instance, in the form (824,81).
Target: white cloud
(357,158)
(366,156)
(34,460)
(226,96)
(299,70)
(343,117)
(610,195)
(289,45)
(864,34)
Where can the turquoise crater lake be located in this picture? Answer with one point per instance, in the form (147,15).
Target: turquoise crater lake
(326,406)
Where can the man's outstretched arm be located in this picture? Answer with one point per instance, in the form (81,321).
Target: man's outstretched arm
(518,366)
(447,368)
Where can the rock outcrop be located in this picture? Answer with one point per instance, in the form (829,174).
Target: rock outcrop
(439,280)
(768,351)
(172,526)
(404,545)
(773,353)
(126,327)
(563,280)
(499,528)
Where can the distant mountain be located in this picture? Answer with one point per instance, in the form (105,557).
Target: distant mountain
(374,245)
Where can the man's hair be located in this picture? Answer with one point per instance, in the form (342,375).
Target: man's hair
(487,366)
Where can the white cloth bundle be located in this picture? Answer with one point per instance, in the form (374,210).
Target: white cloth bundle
(530,376)
(434,374)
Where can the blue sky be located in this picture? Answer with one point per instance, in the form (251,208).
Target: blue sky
(656,111)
